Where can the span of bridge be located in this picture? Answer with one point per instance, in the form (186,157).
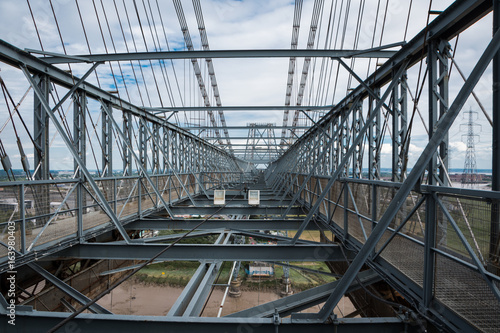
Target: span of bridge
(411,252)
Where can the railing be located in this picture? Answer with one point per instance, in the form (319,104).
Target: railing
(463,259)
(35,215)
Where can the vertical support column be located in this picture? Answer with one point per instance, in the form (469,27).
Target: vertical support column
(431,207)
(127,154)
(443,55)
(41,156)
(344,141)
(429,254)
(432,72)
(357,158)
(494,257)
(437,62)
(79,126)
(399,128)
(79,142)
(156,149)
(335,146)
(438,106)
(107,142)
(373,155)
(41,130)
(403,124)
(175,149)
(143,145)
(22,212)
(435,230)
(166,149)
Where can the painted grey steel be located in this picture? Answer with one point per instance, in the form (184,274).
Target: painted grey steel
(214,54)
(67,289)
(494,251)
(193,297)
(31,321)
(179,307)
(305,299)
(243,127)
(215,224)
(195,252)
(347,156)
(251,108)
(413,177)
(494,288)
(244,210)
(69,145)
(9,54)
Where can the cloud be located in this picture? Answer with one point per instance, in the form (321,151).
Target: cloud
(231,25)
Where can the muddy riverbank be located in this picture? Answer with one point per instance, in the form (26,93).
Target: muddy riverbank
(137,298)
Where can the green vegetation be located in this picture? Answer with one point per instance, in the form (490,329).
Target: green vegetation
(179,273)
(478,213)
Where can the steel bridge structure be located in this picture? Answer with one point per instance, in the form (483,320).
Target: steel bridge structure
(410,251)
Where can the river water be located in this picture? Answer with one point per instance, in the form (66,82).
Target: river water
(156,300)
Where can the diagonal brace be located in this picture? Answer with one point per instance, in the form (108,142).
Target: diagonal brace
(347,156)
(442,129)
(144,172)
(104,204)
(67,289)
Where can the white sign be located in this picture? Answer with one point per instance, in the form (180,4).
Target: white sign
(254,197)
(219,197)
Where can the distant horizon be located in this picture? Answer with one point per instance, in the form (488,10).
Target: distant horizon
(452,170)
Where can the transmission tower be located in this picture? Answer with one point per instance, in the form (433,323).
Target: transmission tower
(469,175)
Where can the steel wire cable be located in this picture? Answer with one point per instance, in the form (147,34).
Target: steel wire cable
(126,47)
(324,61)
(168,48)
(291,66)
(196,67)
(147,50)
(317,10)
(86,39)
(135,48)
(307,120)
(211,71)
(331,62)
(114,48)
(127,276)
(157,48)
(357,35)
(59,32)
(342,39)
(373,37)
(36,27)
(105,46)
(406,140)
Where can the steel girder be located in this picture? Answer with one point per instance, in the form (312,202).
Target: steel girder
(195,252)
(194,296)
(191,54)
(182,224)
(11,55)
(305,299)
(442,29)
(34,320)
(494,252)
(412,179)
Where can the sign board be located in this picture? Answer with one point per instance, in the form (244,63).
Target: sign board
(254,197)
(219,197)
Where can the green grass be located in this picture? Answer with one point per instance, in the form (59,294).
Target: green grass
(478,215)
(179,273)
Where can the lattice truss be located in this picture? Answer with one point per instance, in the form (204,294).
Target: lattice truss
(104,137)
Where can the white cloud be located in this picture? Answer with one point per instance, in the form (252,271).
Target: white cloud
(230,25)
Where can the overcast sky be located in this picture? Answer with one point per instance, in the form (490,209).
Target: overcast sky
(235,25)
